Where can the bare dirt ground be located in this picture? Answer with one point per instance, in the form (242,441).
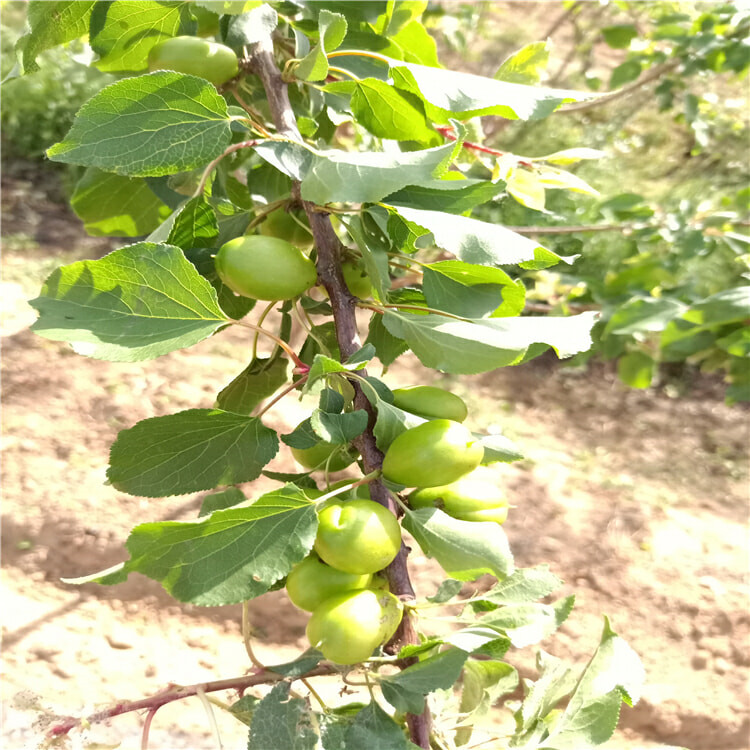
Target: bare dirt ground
(639,501)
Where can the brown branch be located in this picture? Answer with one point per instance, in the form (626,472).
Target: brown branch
(649,76)
(329,249)
(176,693)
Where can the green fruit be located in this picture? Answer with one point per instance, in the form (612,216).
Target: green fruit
(430,402)
(471,498)
(264,268)
(197,57)
(318,457)
(281,224)
(348,627)
(357,280)
(311,582)
(431,454)
(357,536)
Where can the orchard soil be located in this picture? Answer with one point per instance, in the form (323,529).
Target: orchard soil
(638,500)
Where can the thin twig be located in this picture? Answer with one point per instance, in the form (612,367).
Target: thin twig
(227,151)
(147,727)
(201,693)
(247,633)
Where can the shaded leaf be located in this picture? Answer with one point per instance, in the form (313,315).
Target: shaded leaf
(259,380)
(282,721)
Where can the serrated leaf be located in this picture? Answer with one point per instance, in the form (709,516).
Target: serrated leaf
(464,549)
(193,450)
(388,112)
(52,23)
(338,428)
(529,623)
(282,721)
(406,690)
(471,291)
(614,674)
(227,557)
(332,29)
(499,448)
(259,380)
(473,346)
(450,196)
(221,501)
(342,176)
(474,241)
(452,94)
(195,225)
(323,366)
(123,33)
(299,666)
(375,730)
(150,125)
(644,315)
(387,347)
(525,66)
(113,206)
(525,585)
(446,591)
(136,303)
(526,188)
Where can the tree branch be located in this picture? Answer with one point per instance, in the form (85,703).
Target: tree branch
(328,247)
(176,693)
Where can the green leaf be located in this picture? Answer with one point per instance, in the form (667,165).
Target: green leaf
(259,380)
(323,366)
(736,343)
(229,7)
(406,690)
(525,66)
(529,623)
(375,730)
(728,306)
(474,346)
(252,26)
(388,112)
(446,591)
(463,95)
(338,428)
(571,155)
(113,206)
(335,176)
(471,291)
(123,33)
(450,196)
(374,249)
(636,369)
(477,638)
(227,557)
(193,450)
(150,125)
(221,501)
(499,448)
(527,188)
(387,346)
(525,585)
(300,666)
(195,225)
(107,310)
(625,73)
(614,674)
(51,24)
(644,315)
(391,422)
(332,30)
(281,721)
(464,549)
(559,179)
(475,241)
(417,44)
(620,35)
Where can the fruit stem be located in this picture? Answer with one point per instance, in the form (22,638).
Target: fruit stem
(263,316)
(280,342)
(281,395)
(247,632)
(227,151)
(381,308)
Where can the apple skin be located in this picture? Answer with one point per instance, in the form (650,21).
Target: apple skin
(264,268)
(281,224)
(311,582)
(357,280)
(348,627)
(357,536)
(193,56)
(317,457)
(432,454)
(471,498)
(430,402)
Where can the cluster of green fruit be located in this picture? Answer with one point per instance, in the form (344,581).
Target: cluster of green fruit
(353,612)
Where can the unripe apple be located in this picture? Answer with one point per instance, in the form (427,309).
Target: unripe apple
(348,627)
(193,56)
(471,498)
(432,454)
(334,457)
(430,402)
(357,536)
(311,582)
(265,268)
(281,224)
